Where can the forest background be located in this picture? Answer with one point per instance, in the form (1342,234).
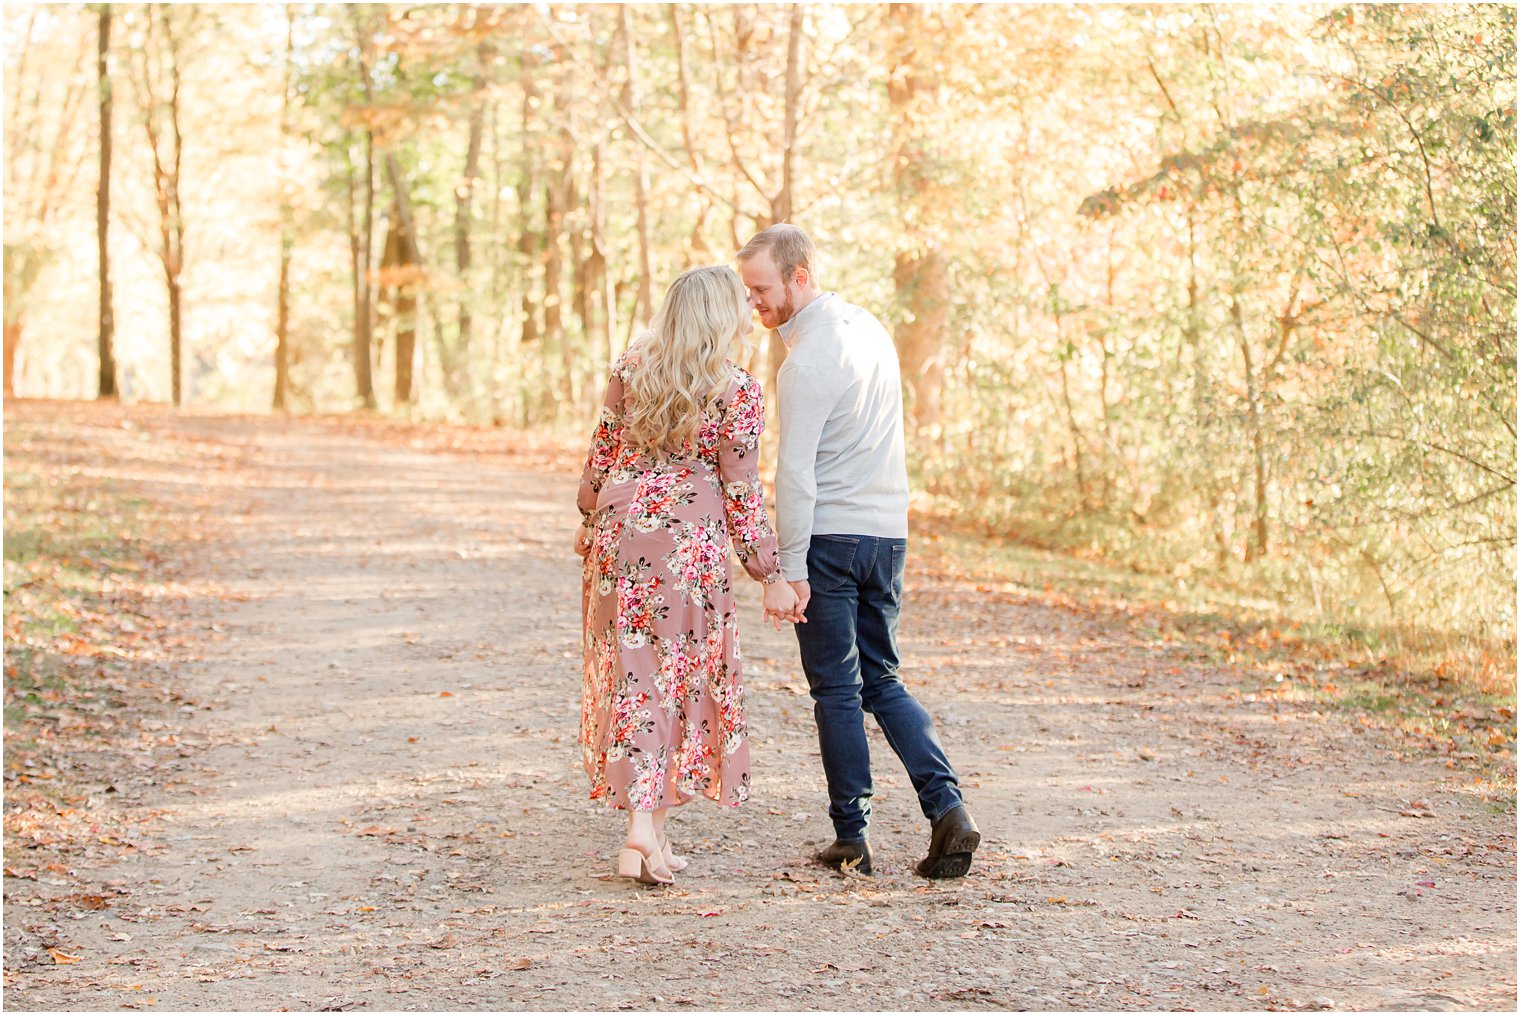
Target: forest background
(1222,294)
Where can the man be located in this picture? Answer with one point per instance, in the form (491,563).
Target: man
(842,512)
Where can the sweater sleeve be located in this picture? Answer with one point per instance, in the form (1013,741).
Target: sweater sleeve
(805,406)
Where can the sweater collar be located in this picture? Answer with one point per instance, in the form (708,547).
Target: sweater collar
(792,330)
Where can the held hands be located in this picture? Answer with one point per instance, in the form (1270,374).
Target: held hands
(783,604)
(582,540)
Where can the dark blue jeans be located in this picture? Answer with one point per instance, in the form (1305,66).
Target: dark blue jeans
(849,653)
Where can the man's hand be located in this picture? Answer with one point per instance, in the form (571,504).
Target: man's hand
(804,593)
(583,541)
(780,604)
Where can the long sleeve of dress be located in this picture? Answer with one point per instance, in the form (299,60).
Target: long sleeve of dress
(749,526)
(606,445)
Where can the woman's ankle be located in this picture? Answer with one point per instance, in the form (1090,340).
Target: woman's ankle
(642,834)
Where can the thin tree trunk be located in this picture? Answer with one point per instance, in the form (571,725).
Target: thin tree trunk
(699,245)
(176,340)
(106,338)
(397,265)
(558,191)
(781,201)
(528,237)
(410,266)
(919,271)
(39,171)
(600,276)
(362,243)
(781,207)
(1071,416)
(363,320)
(575,238)
(554,227)
(464,196)
(12,343)
(1110,453)
(640,171)
(282,293)
(1201,422)
(282,331)
(554,325)
(406,342)
(166,178)
(1257,548)
(177,220)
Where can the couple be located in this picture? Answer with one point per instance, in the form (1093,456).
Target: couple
(673,474)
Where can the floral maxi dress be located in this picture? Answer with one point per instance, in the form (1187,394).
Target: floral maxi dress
(662,715)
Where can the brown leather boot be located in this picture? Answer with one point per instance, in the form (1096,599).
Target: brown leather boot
(951,842)
(853,855)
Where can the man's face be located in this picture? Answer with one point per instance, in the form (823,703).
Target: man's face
(771,296)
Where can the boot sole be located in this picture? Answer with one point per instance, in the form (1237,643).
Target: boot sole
(955,861)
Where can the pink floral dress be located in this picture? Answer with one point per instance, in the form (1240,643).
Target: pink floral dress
(662,712)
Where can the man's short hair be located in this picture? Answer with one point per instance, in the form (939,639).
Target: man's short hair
(790,248)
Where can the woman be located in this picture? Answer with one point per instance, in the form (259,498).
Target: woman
(672,475)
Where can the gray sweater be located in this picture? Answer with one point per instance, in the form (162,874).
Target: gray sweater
(841,469)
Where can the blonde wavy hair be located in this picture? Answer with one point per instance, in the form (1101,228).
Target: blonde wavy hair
(682,363)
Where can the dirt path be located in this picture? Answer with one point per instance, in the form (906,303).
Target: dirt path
(389,812)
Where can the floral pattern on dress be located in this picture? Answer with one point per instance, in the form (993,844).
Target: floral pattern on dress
(698,563)
(640,606)
(662,711)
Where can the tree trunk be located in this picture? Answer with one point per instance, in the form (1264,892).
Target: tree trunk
(282,292)
(700,249)
(12,343)
(361,243)
(41,161)
(781,206)
(1257,547)
(176,340)
(781,200)
(1077,440)
(107,331)
(166,178)
(919,269)
(923,291)
(360,250)
(640,172)
(1192,330)
(396,263)
(528,237)
(464,195)
(409,265)
(554,229)
(282,330)
(559,189)
(600,277)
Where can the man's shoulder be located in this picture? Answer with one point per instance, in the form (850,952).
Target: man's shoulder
(846,318)
(839,307)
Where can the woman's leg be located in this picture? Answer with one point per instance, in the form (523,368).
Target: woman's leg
(641,857)
(672,860)
(643,834)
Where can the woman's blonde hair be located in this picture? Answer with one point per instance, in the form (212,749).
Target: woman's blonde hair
(682,363)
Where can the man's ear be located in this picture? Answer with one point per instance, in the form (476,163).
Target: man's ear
(801,278)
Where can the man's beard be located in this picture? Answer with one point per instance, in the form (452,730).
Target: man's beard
(785,312)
